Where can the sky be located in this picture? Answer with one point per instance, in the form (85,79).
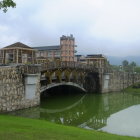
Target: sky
(128,125)
(109,27)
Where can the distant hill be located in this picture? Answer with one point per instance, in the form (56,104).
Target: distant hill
(118,60)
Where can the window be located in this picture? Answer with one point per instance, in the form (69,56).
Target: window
(50,54)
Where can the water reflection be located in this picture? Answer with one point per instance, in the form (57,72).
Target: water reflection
(91,111)
(125,122)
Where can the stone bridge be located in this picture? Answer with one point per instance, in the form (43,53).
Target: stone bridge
(84,77)
(21,86)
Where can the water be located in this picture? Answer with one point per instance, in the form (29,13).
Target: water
(117,113)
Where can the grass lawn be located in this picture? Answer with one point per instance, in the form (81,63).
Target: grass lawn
(18,128)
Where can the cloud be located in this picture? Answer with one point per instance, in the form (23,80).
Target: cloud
(119,21)
(100,26)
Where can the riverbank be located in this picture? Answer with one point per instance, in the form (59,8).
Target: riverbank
(18,128)
(132,90)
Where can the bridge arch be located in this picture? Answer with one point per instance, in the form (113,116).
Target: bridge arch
(53,85)
(92,82)
(89,80)
(68,84)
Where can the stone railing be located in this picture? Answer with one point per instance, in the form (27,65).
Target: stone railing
(9,74)
(28,69)
(74,65)
(37,68)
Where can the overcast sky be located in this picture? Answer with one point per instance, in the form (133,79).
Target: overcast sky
(111,27)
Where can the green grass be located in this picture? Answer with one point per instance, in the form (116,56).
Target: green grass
(17,128)
(132,90)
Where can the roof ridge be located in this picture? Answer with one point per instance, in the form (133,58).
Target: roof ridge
(46,46)
(18,44)
(56,47)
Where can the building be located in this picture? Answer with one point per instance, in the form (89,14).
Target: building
(65,51)
(17,53)
(48,53)
(81,59)
(67,44)
(98,60)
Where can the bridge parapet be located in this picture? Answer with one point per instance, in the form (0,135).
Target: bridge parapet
(37,68)
(28,69)
(72,65)
(118,80)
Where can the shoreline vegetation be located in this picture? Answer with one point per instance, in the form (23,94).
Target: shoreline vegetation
(133,89)
(18,128)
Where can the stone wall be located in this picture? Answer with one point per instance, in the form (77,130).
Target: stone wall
(117,81)
(12,90)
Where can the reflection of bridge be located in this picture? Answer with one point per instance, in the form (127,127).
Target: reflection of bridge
(91,111)
(63,109)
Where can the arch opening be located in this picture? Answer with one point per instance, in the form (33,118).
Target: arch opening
(62,89)
(92,83)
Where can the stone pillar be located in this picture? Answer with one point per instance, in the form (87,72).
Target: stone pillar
(32,57)
(17,56)
(21,55)
(105,83)
(2,56)
(32,87)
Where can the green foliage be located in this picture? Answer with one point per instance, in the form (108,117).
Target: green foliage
(133,64)
(129,67)
(125,63)
(5,4)
(137,69)
(131,89)
(115,67)
(16,128)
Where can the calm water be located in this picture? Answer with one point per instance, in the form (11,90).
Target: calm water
(117,113)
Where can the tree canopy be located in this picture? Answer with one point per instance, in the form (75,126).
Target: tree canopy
(5,4)
(125,63)
(129,67)
(133,64)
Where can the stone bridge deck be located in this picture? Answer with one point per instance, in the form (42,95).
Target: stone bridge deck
(37,68)
(103,79)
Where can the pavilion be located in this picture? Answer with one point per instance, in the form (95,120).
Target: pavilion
(17,53)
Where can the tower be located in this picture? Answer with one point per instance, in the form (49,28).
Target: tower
(67,45)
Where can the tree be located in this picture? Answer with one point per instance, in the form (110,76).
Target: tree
(126,66)
(5,4)
(133,64)
(125,63)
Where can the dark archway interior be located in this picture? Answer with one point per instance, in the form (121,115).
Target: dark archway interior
(61,90)
(92,83)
